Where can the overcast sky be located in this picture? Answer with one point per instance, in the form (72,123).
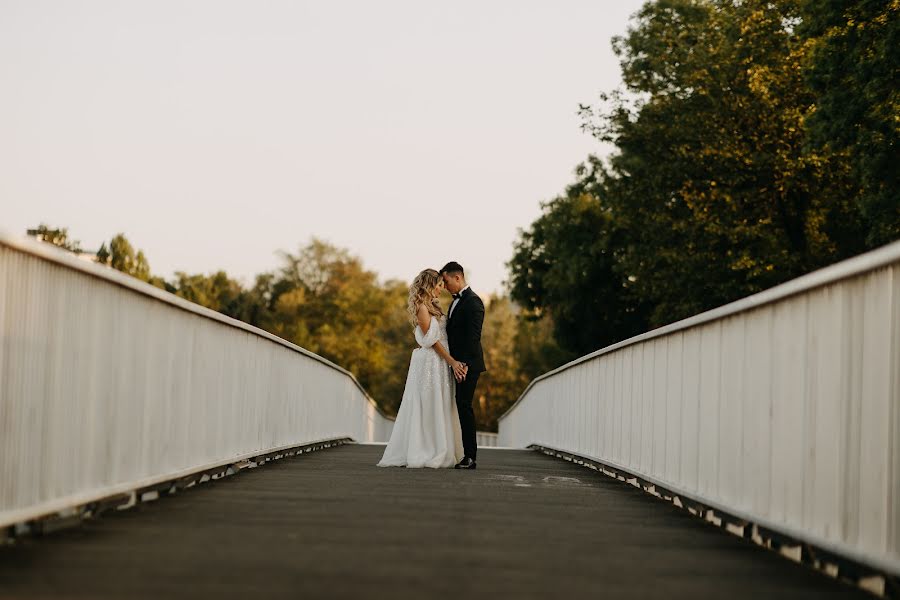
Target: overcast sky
(214,133)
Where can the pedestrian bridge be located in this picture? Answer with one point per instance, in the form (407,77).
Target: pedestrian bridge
(751,451)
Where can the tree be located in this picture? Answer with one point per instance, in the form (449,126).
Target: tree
(516,350)
(102,255)
(58,237)
(853,69)
(566,265)
(326,301)
(216,291)
(396,336)
(120,255)
(502,383)
(536,349)
(755,141)
(712,182)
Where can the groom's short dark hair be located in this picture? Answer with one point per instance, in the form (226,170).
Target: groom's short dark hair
(453,267)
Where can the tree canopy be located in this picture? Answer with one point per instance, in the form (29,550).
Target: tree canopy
(753,143)
(59,237)
(852,71)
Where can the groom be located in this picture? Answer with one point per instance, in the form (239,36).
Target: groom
(464,337)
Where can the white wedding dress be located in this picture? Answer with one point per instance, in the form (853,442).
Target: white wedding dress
(426,432)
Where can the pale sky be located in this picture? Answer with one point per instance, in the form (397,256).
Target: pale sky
(214,133)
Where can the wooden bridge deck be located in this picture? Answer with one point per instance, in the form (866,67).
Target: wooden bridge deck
(331,524)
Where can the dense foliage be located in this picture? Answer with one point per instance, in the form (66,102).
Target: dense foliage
(755,141)
(565,268)
(853,71)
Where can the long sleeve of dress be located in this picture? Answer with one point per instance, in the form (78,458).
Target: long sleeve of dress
(427,340)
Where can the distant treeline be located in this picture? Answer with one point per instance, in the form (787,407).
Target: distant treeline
(755,141)
(323,299)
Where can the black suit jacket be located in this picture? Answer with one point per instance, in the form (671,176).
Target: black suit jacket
(464,331)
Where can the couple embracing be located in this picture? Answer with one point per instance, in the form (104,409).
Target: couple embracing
(435,425)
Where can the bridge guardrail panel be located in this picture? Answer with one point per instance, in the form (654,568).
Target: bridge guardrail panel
(783,407)
(107,383)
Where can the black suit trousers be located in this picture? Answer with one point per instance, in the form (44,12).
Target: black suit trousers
(465,392)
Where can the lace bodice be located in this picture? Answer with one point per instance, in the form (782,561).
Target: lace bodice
(437,332)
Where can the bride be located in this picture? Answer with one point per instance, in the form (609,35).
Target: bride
(427,431)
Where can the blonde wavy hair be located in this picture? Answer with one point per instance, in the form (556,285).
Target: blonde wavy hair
(420,294)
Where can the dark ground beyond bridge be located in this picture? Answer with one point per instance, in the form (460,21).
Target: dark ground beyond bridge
(330,524)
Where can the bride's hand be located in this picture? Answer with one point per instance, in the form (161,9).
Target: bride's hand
(459,370)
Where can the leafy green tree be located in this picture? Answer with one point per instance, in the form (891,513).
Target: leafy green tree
(216,291)
(712,181)
(120,255)
(853,69)
(536,349)
(396,336)
(57,236)
(516,350)
(755,141)
(325,300)
(566,266)
(502,383)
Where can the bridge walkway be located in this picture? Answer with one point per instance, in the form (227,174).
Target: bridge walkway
(331,524)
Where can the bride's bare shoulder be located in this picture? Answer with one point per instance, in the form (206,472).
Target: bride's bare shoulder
(423,316)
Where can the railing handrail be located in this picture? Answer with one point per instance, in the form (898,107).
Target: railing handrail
(851,267)
(59,256)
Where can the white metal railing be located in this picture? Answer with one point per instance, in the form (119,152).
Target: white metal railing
(783,407)
(486,439)
(108,384)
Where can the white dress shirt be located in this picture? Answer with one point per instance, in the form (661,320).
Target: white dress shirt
(456,301)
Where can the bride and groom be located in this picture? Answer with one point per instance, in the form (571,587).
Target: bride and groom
(435,425)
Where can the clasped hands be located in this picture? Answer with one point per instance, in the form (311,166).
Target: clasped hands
(460,370)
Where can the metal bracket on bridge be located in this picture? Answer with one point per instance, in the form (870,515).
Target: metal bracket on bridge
(261,459)
(117,501)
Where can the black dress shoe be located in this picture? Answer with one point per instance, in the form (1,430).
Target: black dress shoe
(466,463)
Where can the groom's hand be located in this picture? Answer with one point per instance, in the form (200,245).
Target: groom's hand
(459,371)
